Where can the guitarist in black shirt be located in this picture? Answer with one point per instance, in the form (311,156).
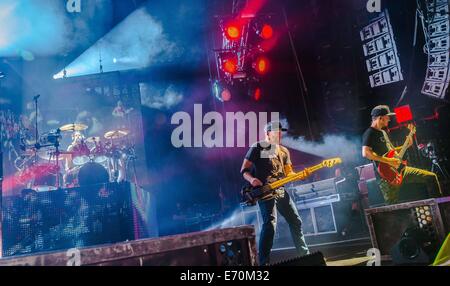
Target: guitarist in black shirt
(376,143)
(266,162)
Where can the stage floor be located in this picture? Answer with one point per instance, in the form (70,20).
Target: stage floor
(351,253)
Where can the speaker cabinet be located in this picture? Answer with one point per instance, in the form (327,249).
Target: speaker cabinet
(223,247)
(388,224)
(78,217)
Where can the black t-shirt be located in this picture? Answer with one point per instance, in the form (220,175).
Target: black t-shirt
(268,166)
(376,140)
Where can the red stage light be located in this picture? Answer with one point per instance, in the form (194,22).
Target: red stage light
(403,114)
(230,65)
(261,65)
(257,94)
(232,32)
(225,95)
(266,32)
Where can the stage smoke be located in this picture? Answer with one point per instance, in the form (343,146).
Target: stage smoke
(160,99)
(44,27)
(330,146)
(139,41)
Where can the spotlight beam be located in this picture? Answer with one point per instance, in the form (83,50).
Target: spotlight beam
(137,42)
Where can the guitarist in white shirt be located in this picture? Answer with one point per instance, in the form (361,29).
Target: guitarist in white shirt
(266,162)
(376,143)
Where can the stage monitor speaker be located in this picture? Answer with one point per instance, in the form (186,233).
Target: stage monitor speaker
(369,187)
(415,247)
(388,224)
(314,259)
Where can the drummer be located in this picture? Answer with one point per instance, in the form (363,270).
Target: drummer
(78,147)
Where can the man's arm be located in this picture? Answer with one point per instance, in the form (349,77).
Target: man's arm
(245,171)
(368,153)
(410,143)
(288,170)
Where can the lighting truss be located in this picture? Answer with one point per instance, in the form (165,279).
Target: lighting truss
(380,50)
(244,50)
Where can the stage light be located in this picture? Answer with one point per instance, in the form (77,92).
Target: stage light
(221,92)
(261,65)
(226,95)
(257,94)
(232,31)
(254,92)
(229,65)
(403,114)
(266,32)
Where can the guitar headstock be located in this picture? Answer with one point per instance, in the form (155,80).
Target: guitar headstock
(412,129)
(329,163)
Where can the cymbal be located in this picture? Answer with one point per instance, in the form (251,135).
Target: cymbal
(51,156)
(73,127)
(93,139)
(115,134)
(29,152)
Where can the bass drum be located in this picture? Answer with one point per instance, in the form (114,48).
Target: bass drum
(92,174)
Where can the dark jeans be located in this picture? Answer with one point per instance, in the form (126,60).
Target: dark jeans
(284,204)
(411,175)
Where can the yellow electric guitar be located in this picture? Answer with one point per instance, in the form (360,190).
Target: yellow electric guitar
(252,194)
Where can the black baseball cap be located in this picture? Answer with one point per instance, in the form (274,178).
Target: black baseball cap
(274,126)
(381,110)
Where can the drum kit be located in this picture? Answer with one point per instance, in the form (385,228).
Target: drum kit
(87,161)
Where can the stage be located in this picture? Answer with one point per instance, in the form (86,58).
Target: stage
(224,133)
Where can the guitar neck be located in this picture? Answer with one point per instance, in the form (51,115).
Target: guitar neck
(405,146)
(295,177)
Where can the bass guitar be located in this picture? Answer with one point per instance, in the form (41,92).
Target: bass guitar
(252,194)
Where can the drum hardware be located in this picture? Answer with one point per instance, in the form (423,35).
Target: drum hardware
(50,139)
(81,154)
(92,173)
(93,139)
(131,157)
(95,161)
(35,99)
(116,134)
(429,151)
(73,127)
(115,151)
(44,177)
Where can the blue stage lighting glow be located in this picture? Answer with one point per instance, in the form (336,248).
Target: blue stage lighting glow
(44,28)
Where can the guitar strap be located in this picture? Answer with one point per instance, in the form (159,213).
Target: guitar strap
(282,162)
(388,141)
(390,146)
(280,158)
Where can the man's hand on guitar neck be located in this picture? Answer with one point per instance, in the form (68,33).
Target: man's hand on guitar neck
(410,141)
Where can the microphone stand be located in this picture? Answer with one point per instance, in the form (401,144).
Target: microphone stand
(36,132)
